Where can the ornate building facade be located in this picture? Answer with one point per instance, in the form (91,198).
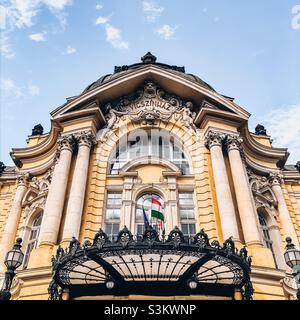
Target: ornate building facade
(81,195)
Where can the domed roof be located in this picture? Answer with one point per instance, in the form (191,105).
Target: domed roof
(147,59)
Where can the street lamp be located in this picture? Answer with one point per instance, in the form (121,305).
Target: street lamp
(13,260)
(292,259)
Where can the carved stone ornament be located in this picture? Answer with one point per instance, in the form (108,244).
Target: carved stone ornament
(23,179)
(214,138)
(86,138)
(275,178)
(233,143)
(262,192)
(147,105)
(66,143)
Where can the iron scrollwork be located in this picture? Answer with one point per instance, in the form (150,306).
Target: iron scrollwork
(103,259)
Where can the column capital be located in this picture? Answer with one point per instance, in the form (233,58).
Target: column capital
(85,138)
(214,138)
(233,143)
(66,142)
(23,179)
(275,178)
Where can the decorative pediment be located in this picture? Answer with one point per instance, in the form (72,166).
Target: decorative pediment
(149,104)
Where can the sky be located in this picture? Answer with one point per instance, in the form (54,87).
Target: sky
(53,49)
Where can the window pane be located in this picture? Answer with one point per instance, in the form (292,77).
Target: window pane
(116,228)
(192,227)
(188,229)
(112,230)
(187,214)
(186,198)
(112,214)
(185,228)
(140,228)
(114,198)
(139,215)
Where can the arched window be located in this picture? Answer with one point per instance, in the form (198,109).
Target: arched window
(149,143)
(150,208)
(33,238)
(266,234)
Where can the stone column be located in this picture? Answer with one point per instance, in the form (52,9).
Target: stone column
(57,192)
(284,214)
(247,210)
(76,198)
(10,229)
(213,141)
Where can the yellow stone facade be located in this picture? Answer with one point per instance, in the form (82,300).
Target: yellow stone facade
(213,113)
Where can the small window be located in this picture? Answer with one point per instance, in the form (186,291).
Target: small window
(33,238)
(187,214)
(112,214)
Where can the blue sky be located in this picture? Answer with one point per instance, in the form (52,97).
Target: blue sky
(53,49)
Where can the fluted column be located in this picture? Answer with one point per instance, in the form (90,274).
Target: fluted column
(10,229)
(76,199)
(284,214)
(57,192)
(247,210)
(213,141)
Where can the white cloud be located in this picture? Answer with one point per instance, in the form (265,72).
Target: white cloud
(102,20)
(33,90)
(70,50)
(166,31)
(37,36)
(152,10)
(114,37)
(99,6)
(6,49)
(23,14)
(284,127)
(9,89)
(57,4)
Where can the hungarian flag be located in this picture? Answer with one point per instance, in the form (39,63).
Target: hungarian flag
(156,210)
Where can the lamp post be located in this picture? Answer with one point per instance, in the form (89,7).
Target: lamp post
(292,259)
(13,260)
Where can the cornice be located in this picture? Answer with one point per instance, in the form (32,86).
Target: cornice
(140,75)
(207,113)
(258,149)
(40,150)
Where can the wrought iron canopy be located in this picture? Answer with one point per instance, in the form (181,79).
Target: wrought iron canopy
(151,265)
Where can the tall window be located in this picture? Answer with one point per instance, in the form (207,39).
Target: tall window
(146,204)
(266,234)
(187,213)
(112,215)
(33,238)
